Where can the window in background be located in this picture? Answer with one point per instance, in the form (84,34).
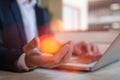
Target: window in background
(71,18)
(104,14)
(75,15)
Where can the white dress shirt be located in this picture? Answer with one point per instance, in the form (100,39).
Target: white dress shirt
(30,26)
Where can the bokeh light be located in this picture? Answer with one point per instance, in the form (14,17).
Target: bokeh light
(48,44)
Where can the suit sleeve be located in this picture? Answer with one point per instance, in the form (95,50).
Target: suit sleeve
(8,56)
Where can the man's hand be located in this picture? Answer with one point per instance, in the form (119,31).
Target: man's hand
(85,48)
(87,52)
(35,58)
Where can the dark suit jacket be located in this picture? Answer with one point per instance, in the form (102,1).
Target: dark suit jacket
(12,35)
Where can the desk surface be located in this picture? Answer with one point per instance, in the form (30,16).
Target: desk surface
(110,72)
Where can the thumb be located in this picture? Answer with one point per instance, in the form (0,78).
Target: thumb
(34,43)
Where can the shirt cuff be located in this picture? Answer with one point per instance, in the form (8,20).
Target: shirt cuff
(21,63)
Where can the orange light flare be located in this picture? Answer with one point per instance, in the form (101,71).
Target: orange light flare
(48,44)
(57,25)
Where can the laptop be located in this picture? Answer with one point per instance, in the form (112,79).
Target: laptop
(85,63)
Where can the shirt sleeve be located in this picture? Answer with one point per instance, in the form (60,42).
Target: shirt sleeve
(21,63)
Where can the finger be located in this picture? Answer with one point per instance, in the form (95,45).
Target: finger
(87,49)
(94,49)
(32,44)
(28,48)
(78,49)
(63,51)
(69,53)
(98,51)
(66,58)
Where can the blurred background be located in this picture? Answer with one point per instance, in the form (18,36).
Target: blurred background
(83,15)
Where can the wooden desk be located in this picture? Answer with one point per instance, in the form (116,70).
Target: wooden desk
(110,72)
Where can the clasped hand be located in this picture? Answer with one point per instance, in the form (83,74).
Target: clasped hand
(36,58)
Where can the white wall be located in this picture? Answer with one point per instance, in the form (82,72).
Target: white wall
(82,5)
(75,3)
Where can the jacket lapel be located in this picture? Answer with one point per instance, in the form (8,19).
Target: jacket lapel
(19,21)
(37,13)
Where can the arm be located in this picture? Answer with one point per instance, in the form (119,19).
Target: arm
(8,55)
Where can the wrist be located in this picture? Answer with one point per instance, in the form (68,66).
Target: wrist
(28,62)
